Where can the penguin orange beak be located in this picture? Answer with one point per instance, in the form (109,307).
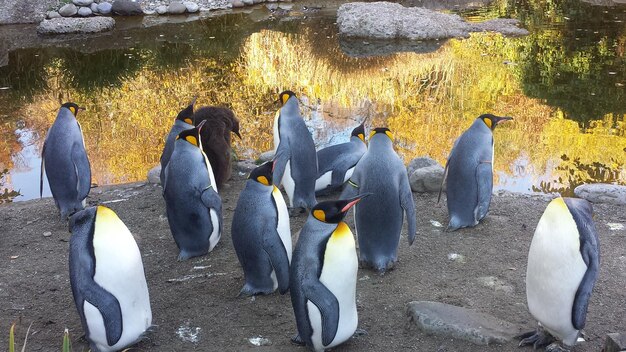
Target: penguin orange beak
(505,118)
(353,201)
(237,133)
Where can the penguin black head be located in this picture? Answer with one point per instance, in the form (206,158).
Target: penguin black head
(492,120)
(359,132)
(263,174)
(192,135)
(284,96)
(186,114)
(333,211)
(384,130)
(72,107)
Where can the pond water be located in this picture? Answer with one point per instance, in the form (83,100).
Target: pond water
(564,84)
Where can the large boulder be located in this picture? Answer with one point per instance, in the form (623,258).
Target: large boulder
(602,193)
(126,8)
(425,174)
(25,11)
(386,20)
(176,8)
(104,8)
(75,25)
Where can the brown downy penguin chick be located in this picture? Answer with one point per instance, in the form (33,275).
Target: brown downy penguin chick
(216,139)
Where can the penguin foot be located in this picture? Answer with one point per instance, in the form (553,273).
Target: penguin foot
(555,347)
(248,291)
(295,212)
(538,338)
(296,339)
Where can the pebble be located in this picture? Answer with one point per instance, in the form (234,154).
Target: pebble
(68,10)
(84,12)
(82,2)
(94,7)
(47,234)
(161,10)
(176,8)
(191,6)
(260,341)
(53,14)
(104,8)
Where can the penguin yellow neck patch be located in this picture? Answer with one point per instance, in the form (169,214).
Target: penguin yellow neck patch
(263,180)
(319,215)
(193,140)
(342,230)
(487,122)
(105,213)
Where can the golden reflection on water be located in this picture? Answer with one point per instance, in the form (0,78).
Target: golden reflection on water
(427,100)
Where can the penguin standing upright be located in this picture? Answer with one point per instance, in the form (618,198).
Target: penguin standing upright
(216,139)
(323,277)
(194,208)
(563,264)
(295,161)
(66,163)
(184,121)
(336,163)
(108,280)
(378,219)
(261,234)
(469,173)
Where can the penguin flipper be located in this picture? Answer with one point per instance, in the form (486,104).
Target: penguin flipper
(484,180)
(328,306)
(212,200)
(407,203)
(277,253)
(109,308)
(280,161)
(83,171)
(43,150)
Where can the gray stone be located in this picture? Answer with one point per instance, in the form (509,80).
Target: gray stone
(420,162)
(426,179)
(386,20)
(84,12)
(495,283)
(24,11)
(149,12)
(68,10)
(176,8)
(154,175)
(82,2)
(237,3)
(126,8)
(53,14)
(94,7)
(104,8)
(191,6)
(76,25)
(161,10)
(248,2)
(602,193)
(615,342)
(457,322)
(266,156)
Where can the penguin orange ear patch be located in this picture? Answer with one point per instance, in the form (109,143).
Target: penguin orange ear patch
(372,133)
(188,120)
(285,97)
(73,110)
(192,140)
(487,122)
(361,137)
(319,215)
(263,180)
(389,134)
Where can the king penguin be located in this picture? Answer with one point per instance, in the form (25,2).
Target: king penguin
(378,219)
(183,121)
(323,277)
(216,140)
(295,161)
(469,173)
(563,264)
(108,280)
(65,162)
(336,163)
(194,208)
(261,234)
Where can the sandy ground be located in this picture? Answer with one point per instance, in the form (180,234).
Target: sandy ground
(34,283)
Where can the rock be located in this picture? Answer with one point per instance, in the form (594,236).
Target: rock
(245,166)
(495,283)
(357,47)
(154,175)
(176,8)
(260,341)
(47,234)
(266,156)
(388,20)
(427,179)
(75,25)
(149,12)
(84,12)
(248,2)
(68,10)
(53,14)
(104,8)
(191,6)
(82,2)
(23,11)
(126,8)
(602,193)
(615,342)
(420,162)
(237,3)
(457,322)
(94,7)
(161,10)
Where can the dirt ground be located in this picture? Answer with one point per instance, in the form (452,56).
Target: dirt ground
(34,283)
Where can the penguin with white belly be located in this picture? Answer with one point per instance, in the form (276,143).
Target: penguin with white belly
(194,208)
(65,162)
(563,264)
(183,121)
(378,219)
(295,160)
(261,234)
(336,163)
(108,280)
(469,173)
(323,277)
